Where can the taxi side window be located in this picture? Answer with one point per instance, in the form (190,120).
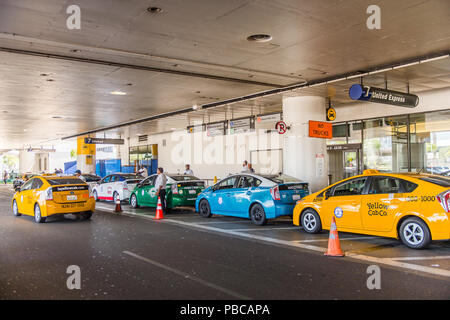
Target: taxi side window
(227,184)
(152,180)
(409,186)
(384,185)
(114,179)
(248,182)
(106,179)
(37,184)
(352,187)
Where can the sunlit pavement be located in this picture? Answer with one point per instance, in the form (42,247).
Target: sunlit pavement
(131,256)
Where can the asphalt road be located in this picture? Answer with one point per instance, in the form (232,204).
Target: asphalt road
(123,257)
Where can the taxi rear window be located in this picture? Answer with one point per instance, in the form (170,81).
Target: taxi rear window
(440,181)
(56,182)
(184,178)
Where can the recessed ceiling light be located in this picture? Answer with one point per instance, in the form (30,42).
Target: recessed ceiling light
(44,74)
(56,117)
(260,38)
(50,80)
(75,50)
(154,10)
(118,93)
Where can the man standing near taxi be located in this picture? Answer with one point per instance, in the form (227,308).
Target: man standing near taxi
(160,187)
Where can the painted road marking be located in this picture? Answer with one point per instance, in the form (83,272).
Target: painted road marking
(318,240)
(188,276)
(365,258)
(421,258)
(265,229)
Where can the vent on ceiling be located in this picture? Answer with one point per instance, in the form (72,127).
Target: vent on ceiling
(143,138)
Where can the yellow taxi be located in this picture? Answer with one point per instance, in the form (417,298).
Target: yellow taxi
(46,195)
(411,206)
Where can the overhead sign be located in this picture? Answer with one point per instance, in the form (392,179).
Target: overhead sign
(242,125)
(281,127)
(103,141)
(196,128)
(264,118)
(371,94)
(318,129)
(216,128)
(331,114)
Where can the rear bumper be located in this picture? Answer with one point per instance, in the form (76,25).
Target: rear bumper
(283,210)
(53,208)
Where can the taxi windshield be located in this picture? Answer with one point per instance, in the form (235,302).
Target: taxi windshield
(63,181)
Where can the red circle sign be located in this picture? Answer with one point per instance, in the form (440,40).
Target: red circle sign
(281,127)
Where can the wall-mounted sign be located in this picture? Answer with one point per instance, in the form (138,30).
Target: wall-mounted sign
(216,128)
(318,129)
(396,98)
(281,127)
(264,118)
(103,141)
(242,125)
(331,114)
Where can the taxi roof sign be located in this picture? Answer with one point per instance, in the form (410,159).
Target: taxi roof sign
(371,171)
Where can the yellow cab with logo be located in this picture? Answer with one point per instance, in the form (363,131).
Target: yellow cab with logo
(46,195)
(411,206)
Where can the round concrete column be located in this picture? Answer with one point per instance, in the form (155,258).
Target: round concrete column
(304,157)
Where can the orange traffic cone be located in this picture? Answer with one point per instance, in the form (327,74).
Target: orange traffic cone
(159,212)
(334,247)
(118,207)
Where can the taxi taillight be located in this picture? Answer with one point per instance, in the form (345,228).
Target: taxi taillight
(275,192)
(49,194)
(174,188)
(444,200)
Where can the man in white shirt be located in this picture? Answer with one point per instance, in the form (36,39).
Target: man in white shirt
(188,170)
(160,187)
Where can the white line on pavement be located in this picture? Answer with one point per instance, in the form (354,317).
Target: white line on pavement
(188,276)
(385,261)
(421,258)
(318,240)
(265,229)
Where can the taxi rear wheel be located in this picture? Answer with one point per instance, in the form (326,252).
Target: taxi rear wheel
(95,195)
(310,221)
(204,209)
(133,201)
(38,218)
(258,215)
(414,233)
(87,215)
(116,197)
(16,209)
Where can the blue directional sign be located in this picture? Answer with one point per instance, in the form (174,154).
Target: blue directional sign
(371,94)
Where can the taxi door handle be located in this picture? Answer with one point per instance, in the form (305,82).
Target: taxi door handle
(355,203)
(248,193)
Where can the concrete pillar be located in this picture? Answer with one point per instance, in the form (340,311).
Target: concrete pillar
(304,157)
(85,156)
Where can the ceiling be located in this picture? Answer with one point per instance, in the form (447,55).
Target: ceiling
(196,52)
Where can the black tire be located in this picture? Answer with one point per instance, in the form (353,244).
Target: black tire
(133,201)
(115,194)
(258,215)
(414,233)
(310,221)
(38,218)
(87,215)
(15,209)
(96,196)
(204,209)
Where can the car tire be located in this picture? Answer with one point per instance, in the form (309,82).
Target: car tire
(38,218)
(310,221)
(204,209)
(87,215)
(115,195)
(414,233)
(258,215)
(15,209)
(95,196)
(133,201)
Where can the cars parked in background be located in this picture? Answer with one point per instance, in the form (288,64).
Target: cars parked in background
(44,196)
(411,206)
(117,186)
(21,179)
(181,190)
(253,196)
(91,179)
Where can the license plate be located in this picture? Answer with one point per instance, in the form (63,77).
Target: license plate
(295,197)
(71,198)
(192,192)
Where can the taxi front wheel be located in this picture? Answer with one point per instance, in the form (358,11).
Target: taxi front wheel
(16,209)
(204,209)
(38,218)
(414,233)
(310,221)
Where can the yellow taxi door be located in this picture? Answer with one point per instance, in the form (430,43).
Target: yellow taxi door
(382,203)
(344,203)
(26,198)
